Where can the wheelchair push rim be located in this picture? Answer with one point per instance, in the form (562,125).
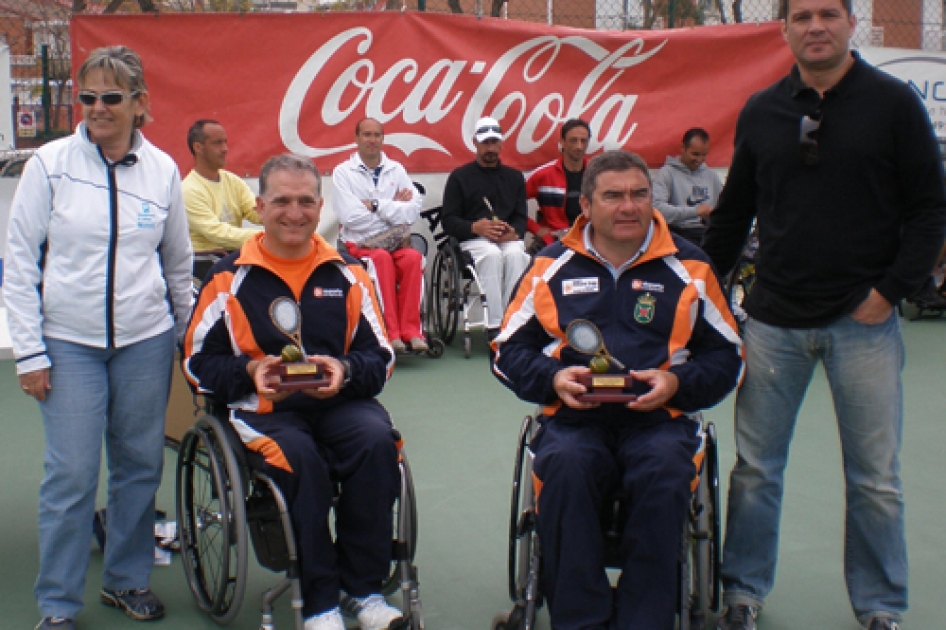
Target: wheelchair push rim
(445,295)
(212,520)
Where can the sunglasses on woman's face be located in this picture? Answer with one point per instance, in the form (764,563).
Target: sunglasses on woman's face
(109,99)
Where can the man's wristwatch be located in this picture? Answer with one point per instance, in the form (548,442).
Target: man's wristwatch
(346,364)
(374,205)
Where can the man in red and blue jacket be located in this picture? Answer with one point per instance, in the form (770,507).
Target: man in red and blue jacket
(556,185)
(660,310)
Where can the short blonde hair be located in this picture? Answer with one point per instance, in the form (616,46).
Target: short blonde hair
(124,65)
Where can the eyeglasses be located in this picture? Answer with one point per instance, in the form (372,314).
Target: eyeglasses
(489,129)
(109,99)
(808,138)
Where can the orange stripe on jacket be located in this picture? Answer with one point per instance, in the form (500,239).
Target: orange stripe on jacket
(526,285)
(682,326)
(220,283)
(698,463)
(714,293)
(269,449)
(537,489)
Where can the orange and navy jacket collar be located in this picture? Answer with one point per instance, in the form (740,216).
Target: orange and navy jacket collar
(250,253)
(660,245)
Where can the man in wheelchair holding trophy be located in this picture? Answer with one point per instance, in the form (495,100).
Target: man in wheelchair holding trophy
(619,331)
(288,337)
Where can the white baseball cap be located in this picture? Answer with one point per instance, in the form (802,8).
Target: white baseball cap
(487,128)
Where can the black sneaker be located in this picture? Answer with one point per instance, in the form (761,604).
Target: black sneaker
(138,603)
(883,623)
(738,617)
(55,623)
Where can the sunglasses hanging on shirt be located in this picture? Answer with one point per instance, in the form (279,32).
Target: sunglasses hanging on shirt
(808,137)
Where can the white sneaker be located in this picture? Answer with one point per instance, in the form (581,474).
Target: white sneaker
(329,620)
(372,612)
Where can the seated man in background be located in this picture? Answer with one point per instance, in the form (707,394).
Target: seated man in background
(232,350)
(556,186)
(686,189)
(660,309)
(217,201)
(376,205)
(484,207)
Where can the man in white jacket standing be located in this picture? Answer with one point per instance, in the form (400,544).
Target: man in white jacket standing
(376,205)
(686,190)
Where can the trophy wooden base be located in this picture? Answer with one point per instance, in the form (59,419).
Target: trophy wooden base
(608,388)
(296,376)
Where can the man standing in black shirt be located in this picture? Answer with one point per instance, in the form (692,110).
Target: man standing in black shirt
(484,207)
(838,164)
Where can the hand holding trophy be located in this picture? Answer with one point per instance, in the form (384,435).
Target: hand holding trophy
(584,337)
(295,372)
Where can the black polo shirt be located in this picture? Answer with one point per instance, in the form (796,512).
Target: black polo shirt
(869,214)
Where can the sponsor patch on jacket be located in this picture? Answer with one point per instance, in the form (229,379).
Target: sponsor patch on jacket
(146,218)
(320,292)
(577,286)
(643,285)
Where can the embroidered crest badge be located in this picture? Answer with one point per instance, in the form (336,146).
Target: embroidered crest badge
(644,310)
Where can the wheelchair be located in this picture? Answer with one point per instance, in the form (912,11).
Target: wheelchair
(699,588)
(223,498)
(453,286)
(434,341)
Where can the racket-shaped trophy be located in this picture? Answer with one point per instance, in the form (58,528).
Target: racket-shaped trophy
(584,337)
(295,372)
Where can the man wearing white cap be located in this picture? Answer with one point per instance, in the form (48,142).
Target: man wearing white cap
(484,207)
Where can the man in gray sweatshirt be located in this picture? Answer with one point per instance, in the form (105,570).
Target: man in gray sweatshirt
(685,189)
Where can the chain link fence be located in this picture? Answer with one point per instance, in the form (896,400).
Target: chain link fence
(37,32)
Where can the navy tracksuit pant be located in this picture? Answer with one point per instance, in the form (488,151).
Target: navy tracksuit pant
(359,447)
(579,465)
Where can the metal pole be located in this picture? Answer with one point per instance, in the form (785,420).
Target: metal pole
(47,96)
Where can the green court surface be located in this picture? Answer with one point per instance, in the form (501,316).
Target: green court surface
(460,427)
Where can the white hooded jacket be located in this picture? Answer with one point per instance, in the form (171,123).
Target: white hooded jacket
(93,262)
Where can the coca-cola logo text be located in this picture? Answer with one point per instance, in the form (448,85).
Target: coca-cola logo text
(436,91)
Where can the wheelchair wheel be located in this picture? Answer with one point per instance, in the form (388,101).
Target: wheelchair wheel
(524,553)
(445,298)
(705,538)
(405,530)
(211,516)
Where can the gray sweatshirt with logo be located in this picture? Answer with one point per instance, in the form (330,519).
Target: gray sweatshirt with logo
(678,191)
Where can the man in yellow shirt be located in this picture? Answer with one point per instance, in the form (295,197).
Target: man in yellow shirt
(217,201)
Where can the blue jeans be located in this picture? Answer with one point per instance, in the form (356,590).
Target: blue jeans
(863,365)
(121,394)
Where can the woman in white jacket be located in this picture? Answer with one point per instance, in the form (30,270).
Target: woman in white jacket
(98,290)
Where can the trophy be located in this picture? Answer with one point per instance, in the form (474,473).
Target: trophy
(584,337)
(295,372)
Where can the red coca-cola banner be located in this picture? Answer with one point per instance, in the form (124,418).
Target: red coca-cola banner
(300,82)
